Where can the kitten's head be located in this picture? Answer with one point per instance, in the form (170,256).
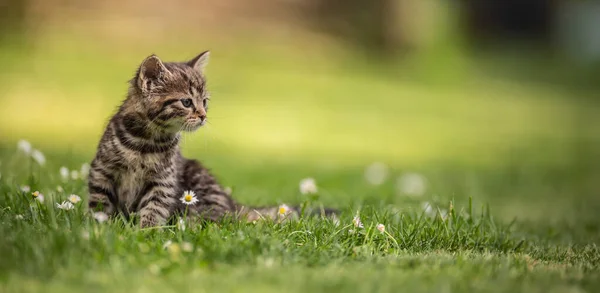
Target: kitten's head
(173,95)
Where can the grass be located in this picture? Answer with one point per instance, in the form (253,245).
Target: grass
(517,162)
(470,249)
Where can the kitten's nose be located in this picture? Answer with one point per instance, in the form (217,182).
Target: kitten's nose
(201,114)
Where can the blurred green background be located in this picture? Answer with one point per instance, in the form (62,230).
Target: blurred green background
(497,100)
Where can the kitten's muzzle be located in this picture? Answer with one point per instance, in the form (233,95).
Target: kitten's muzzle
(200,113)
(197,120)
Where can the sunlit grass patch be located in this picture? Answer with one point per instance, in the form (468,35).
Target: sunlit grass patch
(388,235)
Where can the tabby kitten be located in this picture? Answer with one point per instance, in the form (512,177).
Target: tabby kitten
(138,167)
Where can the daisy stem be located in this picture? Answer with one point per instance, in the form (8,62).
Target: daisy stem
(303,208)
(68,220)
(393,239)
(158,227)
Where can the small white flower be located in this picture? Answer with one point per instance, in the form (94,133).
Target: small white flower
(85,170)
(25,188)
(74,198)
(336,220)
(189,198)
(381,228)
(356,222)
(350,231)
(64,173)
(167,244)
(19,217)
(426,206)
(101,217)
(308,186)
(37,195)
(65,205)
(376,173)
(38,157)
(187,247)
(181,224)
(24,146)
(411,184)
(283,210)
(74,175)
(444,214)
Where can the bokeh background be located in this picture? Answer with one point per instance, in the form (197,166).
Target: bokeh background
(495,100)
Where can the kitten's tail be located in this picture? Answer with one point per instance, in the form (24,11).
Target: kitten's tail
(283,212)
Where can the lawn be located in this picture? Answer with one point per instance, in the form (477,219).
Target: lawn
(488,186)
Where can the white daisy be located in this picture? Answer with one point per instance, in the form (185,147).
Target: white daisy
(65,205)
(85,170)
(189,198)
(283,210)
(356,222)
(308,186)
(40,198)
(429,210)
(74,175)
(19,217)
(24,146)
(381,228)
(74,198)
(444,214)
(64,173)
(426,206)
(38,157)
(376,173)
(25,188)
(101,217)
(336,220)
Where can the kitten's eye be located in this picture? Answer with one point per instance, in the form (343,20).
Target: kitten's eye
(186,102)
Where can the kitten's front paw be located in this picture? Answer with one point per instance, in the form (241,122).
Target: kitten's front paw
(147,222)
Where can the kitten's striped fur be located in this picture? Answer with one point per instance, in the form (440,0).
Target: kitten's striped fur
(138,167)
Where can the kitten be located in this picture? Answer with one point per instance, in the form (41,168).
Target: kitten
(138,167)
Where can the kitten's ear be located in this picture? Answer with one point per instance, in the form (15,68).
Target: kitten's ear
(150,72)
(200,61)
